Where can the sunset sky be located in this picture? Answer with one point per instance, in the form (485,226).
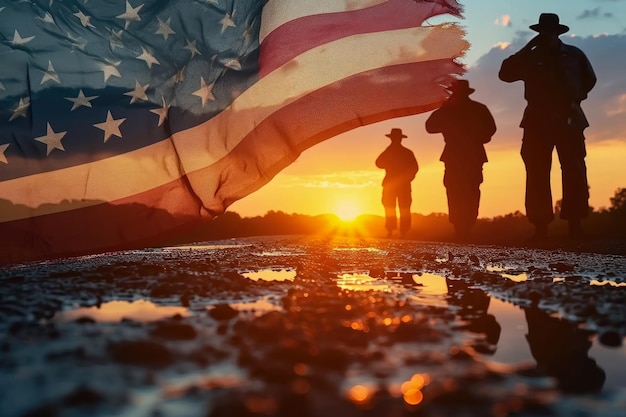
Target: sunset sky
(339,175)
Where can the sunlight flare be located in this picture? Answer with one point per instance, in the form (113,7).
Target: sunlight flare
(347,210)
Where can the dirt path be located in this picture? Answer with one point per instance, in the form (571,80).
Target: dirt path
(289,326)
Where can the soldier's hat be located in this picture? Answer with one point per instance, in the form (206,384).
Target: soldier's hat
(396,133)
(549,22)
(460,87)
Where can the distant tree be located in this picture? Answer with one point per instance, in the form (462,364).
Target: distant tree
(557,207)
(618,201)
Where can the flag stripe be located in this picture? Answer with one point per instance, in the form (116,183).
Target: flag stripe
(277,13)
(289,38)
(279,139)
(155,165)
(273,145)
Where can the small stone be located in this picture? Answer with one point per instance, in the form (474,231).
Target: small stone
(223,312)
(141,352)
(174,331)
(611,338)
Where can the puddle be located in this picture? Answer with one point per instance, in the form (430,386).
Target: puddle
(361,281)
(115,311)
(271,274)
(278,253)
(594,282)
(516,342)
(511,335)
(607,282)
(208,247)
(257,307)
(517,278)
(367,249)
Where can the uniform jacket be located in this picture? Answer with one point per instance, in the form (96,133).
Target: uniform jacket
(555,84)
(466,125)
(399,164)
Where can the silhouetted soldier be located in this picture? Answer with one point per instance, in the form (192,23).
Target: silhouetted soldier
(557,77)
(400,168)
(466,126)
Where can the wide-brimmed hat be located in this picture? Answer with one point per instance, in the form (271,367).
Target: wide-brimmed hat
(549,22)
(396,134)
(460,87)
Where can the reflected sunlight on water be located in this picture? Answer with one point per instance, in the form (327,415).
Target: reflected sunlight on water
(258,307)
(115,311)
(361,281)
(271,274)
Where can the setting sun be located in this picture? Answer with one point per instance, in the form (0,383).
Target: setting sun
(347,210)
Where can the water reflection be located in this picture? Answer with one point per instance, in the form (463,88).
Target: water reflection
(361,281)
(257,307)
(561,350)
(271,274)
(114,311)
(473,304)
(511,336)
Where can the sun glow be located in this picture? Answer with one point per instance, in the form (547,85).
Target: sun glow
(347,210)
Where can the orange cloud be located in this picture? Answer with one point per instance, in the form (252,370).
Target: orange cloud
(504,20)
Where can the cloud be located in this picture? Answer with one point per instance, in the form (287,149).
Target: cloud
(337,180)
(504,20)
(593,13)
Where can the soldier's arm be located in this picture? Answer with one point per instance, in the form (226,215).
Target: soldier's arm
(514,67)
(434,122)
(588,75)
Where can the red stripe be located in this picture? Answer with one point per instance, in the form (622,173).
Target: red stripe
(300,35)
(356,101)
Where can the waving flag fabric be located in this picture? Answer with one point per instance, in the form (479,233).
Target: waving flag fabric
(125,122)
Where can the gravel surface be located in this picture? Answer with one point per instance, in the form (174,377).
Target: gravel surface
(302,326)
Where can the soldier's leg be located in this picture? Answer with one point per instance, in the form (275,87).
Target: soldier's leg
(537,156)
(404,205)
(389,203)
(571,151)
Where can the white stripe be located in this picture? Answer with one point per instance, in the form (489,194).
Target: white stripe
(198,147)
(279,12)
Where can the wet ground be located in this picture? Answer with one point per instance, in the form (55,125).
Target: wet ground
(292,326)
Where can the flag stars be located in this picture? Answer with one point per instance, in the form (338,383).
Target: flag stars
(110,126)
(139,93)
(52,140)
(115,41)
(110,70)
(76,42)
(20,110)
(3,157)
(191,47)
(84,19)
(164,28)
(148,58)
(81,100)
(47,18)
(227,21)
(130,15)
(233,64)
(205,92)
(19,41)
(50,75)
(162,112)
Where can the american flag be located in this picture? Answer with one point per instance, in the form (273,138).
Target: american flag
(123,122)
